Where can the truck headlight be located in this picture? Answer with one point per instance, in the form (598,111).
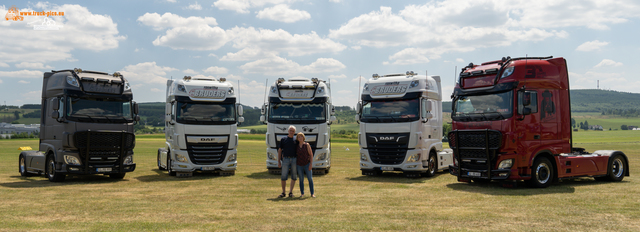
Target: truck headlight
(71,80)
(232,158)
(128,160)
(505,164)
(414,158)
(507,72)
(71,160)
(271,156)
(363,157)
(322,156)
(181,158)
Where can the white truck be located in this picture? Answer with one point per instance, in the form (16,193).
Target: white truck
(305,104)
(400,118)
(201,119)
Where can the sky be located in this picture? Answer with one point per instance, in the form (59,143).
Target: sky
(255,42)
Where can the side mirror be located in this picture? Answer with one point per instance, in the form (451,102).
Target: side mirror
(55,114)
(137,118)
(526,111)
(359,108)
(240,119)
(240,110)
(262,118)
(263,110)
(332,118)
(333,110)
(526,99)
(136,109)
(167,118)
(55,104)
(167,109)
(357,117)
(429,116)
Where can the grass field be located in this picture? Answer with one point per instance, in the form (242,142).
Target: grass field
(150,200)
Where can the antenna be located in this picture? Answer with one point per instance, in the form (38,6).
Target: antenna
(238,91)
(264,100)
(359,86)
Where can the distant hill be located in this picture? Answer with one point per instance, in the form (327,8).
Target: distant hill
(594,100)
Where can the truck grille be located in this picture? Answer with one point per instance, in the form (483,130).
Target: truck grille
(475,149)
(387,148)
(102,148)
(207,153)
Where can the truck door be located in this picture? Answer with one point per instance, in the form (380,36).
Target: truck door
(528,125)
(548,116)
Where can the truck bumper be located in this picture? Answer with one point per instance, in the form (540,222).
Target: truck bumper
(320,161)
(226,165)
(97,169)
(465,175)
(405,166)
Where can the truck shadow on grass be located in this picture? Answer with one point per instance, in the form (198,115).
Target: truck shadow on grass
(265,175)
(395,177)
(40,181)
(164,176)
(496,188)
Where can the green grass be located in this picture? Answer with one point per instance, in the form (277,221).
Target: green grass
(150,200)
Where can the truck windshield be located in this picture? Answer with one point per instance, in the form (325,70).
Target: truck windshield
(483,107)
(405,110)
(99,110)
(297,113)
(205,113)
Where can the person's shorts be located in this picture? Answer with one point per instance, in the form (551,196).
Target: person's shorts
(289,165)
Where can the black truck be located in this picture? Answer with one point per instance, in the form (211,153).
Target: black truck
(86,126)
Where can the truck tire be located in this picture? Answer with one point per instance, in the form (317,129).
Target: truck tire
(117,176)
(433,165)
(171,172)
(541,173)
(615,170)
(159,163)
(50,171)
(22,167)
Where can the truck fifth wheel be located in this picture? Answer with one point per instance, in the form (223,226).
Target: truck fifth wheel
(86,126)
(201,119)
(511,122)
(401,125)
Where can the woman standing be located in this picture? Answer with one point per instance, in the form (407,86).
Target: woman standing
(303,161)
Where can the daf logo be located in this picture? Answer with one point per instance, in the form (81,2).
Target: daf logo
(387,138)
(208,139)
(309,129)
(282,128)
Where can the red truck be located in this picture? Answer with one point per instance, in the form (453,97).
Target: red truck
(512,123)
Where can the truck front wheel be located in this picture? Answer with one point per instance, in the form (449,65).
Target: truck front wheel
(541,173)
(23,167)
(50,171)
(433,164)
(169,170)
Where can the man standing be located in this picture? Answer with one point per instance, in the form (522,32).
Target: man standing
(287,160)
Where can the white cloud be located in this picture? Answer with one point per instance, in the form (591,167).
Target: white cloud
(189,72)
(172,1)
(459,60)
(341,76)
(216,70)
(21,74)
(79,30)
(33,65)
(156,90)
(138,49)
(608,63)
(269,41)
(194,6)
(31,96)
(591,46)
(336,1)
(282,13)
(608,80)
(147,73)
(439,27)
(0,81)
(280,66)
(359,78)
(24,82)
(192,33)
(243,6)
(4,65)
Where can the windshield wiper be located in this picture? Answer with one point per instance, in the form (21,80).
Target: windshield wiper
(119,118)
(82,115)
(500,116)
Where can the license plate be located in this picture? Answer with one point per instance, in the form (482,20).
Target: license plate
(473,174)
(103,169)
(208,168)
(386,168)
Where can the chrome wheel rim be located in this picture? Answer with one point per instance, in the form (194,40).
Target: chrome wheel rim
(51,170)
(432,165)
(22,166)
(617,168)
(543,173)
